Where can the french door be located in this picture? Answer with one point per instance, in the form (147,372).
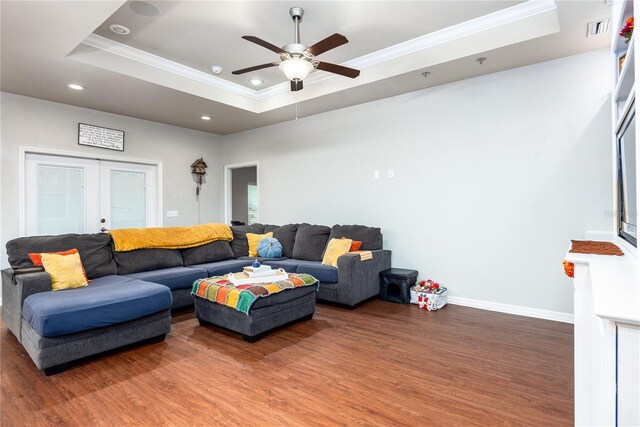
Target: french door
(76,195)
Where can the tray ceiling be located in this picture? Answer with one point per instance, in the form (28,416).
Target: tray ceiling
(167,58)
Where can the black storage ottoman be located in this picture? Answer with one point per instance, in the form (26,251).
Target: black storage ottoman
(395,284)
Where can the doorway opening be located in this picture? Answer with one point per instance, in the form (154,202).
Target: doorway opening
(241,193)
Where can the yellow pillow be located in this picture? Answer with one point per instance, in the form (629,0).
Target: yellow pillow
(65,271)
(335,249)
(253,240)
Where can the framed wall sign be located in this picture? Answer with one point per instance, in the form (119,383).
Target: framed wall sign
(95,136)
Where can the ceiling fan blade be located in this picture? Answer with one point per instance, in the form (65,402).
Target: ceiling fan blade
(296,85)
(257,67)
(338,69)
(263,43)
(329,43)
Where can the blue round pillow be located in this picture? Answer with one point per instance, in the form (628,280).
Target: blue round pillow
(269,248)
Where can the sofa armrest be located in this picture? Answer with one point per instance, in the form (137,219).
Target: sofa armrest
(15,288)
(359,280)
(27,270)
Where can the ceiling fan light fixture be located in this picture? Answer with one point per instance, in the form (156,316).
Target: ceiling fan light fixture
(256,81)
(296,68)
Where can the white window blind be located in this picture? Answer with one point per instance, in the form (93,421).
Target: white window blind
(252,203)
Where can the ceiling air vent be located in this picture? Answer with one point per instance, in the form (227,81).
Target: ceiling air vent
(598,27)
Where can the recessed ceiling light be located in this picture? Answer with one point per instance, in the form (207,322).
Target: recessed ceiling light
(75,86)
(119,29)
(256,81)
(216,69)
(144,8)
(206,117)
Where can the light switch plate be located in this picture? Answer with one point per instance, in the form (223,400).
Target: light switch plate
(376,174)
(172,214)
(391,174)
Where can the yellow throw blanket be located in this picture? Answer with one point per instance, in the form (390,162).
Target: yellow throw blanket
(128,239)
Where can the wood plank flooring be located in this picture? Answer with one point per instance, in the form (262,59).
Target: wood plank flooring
(381,364)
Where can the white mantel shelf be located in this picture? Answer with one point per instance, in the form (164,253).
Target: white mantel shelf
(615,282)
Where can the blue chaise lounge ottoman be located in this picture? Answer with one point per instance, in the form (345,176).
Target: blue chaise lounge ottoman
(112,311)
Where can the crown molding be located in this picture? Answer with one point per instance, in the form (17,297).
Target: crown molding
(462,30)
(458,31)
(164,64)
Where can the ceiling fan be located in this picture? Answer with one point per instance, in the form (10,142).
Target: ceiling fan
(298,60)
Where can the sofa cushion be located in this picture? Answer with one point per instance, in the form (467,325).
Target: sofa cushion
(239,244)
(174,277)
(95,251)
(310,242)
(335,249)
(253,239)
(355,245)
(102,303)
(36,259)
(323,273)
(147,260)
(286,235)
(111,280)
(269,248)
(288,265)
(371,237)
(65,271)
(262,260)
(221,268)
(211,252)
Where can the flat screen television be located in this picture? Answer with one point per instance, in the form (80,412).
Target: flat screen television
(627,181)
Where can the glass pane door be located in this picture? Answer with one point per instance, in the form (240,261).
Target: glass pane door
(77,195)
(61,195)
(128,195)
(60,200)
(128,199)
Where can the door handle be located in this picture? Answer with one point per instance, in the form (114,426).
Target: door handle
(103,229)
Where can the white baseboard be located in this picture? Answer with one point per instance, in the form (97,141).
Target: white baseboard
(539,313)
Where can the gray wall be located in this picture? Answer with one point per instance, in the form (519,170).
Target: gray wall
(240,178)
(36,123)
(493,176)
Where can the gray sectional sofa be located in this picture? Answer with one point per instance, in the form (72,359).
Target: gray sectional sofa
(131,293)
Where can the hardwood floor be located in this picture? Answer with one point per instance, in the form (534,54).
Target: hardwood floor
(380,364)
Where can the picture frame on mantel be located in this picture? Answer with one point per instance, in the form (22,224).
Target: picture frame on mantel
(621,59)
(100,137)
